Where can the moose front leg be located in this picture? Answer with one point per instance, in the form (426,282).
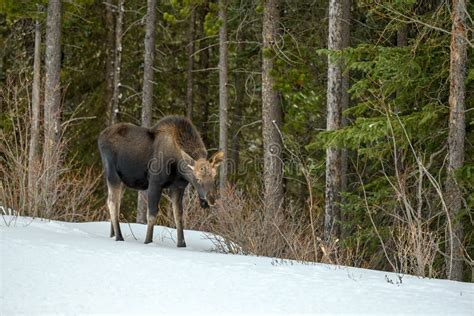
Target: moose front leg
(177,198)
(112,233)
(154,195)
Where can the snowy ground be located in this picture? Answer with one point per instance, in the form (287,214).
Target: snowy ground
(56,267)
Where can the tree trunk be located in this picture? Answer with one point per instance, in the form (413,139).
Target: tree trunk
(147,97)
(237,112)
(346,34)
(271,115)
(117,61)
(33,156)
(457,132)
(334,119)
(204,79)
(52,100)
(190,53)
(223,91)
(110,56)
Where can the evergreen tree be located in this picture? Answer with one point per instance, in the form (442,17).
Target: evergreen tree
(147,98)
(271,114)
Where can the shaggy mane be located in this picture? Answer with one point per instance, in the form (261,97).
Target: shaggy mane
(184,133)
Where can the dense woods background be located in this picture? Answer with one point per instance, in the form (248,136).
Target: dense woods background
(348,125)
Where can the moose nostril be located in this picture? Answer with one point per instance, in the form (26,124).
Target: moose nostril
(204,204)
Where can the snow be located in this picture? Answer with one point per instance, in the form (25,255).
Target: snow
(75,268)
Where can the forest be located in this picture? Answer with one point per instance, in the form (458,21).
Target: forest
(347,126)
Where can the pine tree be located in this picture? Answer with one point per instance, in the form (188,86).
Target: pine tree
(33,157)
(271,114)
(223,91)
(457,133)
(335,99)
(147,97)
(110,58)
(52,99)
(190,55)
(117,61)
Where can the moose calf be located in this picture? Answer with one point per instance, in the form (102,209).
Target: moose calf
(170,154)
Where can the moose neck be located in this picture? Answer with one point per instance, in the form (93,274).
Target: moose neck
(187,173)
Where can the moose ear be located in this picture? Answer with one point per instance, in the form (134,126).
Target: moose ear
(188,159)
(216,159)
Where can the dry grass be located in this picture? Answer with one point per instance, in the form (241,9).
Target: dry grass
(62,192)
(239,219)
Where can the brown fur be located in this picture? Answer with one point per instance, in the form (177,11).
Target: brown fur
(171,154)
(184,135)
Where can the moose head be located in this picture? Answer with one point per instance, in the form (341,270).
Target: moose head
(202,176)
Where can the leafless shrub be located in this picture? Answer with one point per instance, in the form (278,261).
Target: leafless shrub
(238,222)
(195,217)
(416,250)
(67,197)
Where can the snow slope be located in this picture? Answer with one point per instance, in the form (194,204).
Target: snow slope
(57,267)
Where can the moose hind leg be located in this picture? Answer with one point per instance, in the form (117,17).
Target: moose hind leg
(177,198)
(154,195)
(113,203)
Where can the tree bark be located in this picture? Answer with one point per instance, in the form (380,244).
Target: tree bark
(204,78)
(237,112)
(223,91)
(334,119)
(190,53)
(346,24)
(147,97)
(33,155)
(110,56)
(271,115)
(117,61)
(457,132)
(52,100)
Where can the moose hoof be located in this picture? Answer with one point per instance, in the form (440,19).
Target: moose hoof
(147,242)
(181,244)
(119,238)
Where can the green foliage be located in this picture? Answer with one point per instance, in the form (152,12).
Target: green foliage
(169,18)
(14,9)
(212,23)
(398,113)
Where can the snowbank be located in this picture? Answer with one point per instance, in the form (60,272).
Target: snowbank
(57,267)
